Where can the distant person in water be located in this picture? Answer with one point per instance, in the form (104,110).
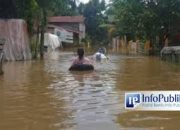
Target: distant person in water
(102,50)
(100,55)
(81,59)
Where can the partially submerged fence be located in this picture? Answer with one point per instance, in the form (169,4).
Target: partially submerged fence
(2,42)
(130,47)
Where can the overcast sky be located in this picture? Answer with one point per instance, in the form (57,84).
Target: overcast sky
(85,1)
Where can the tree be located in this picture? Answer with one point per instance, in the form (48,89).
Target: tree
(93,11)
(35,12)
(47,5)
(145,19)
(63,8)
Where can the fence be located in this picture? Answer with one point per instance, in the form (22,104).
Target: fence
(2,42)
(130,47)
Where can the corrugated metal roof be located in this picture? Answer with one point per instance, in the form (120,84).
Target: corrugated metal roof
(68,19)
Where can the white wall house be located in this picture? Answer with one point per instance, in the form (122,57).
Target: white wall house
(69,25)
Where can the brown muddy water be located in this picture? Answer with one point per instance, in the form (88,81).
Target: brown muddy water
(44,95)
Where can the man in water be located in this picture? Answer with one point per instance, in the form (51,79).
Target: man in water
(81,59)
(100,55)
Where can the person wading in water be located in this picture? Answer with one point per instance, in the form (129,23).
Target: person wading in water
(81,59)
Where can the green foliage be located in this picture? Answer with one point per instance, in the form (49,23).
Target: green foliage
(63,8)
(35,12)
(145,18)
(28,10)
(93,11)
(32,10)
(34,47)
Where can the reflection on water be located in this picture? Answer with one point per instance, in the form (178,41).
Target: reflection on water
(44,95)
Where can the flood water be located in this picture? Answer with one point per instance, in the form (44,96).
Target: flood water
(44,95)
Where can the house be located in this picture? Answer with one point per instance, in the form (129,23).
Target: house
(68,25)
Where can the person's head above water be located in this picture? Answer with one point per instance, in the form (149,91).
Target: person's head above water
(100,50)
(80,52)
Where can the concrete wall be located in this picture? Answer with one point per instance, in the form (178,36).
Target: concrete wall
(17,46)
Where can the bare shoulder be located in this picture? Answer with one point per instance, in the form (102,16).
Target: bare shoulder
(87,59)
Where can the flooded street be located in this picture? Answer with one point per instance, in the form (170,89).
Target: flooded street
(44,95)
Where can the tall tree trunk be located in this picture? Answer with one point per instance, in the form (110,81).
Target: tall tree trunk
(42,43)
(36,44)
(43,25)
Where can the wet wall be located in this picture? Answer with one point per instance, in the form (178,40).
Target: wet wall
(16,47)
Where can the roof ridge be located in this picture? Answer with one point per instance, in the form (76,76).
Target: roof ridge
(78,18)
